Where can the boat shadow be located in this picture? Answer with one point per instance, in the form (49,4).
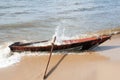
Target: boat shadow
(104,48)
(55,66)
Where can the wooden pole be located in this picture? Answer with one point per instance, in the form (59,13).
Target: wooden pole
(52,46)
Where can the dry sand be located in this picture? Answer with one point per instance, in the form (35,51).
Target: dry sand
(104,64)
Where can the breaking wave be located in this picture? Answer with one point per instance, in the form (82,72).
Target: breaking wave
(6,57)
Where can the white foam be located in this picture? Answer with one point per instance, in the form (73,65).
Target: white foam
(6,57)
(4,50)
(5,62)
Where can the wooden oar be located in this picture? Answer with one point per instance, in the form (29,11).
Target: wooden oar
(52,46)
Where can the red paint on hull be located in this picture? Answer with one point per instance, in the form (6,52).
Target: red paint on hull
(84,44)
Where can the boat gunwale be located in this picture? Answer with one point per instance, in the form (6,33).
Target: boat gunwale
(66,42)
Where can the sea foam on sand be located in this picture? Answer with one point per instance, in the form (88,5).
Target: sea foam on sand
(6,57)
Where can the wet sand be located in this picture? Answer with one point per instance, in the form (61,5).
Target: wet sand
(101,64)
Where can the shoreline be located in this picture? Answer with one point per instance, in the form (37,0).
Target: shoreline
(97,65)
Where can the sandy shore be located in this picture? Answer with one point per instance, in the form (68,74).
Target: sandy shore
(102,64)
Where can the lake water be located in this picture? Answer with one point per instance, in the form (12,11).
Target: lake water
(38,19)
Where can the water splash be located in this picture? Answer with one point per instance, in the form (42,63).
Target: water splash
(4,50)
(60,32)
(6,57)
(8,61)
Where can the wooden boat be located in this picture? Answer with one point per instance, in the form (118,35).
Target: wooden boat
(82,44)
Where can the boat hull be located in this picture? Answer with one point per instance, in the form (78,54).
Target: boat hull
(82,44)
